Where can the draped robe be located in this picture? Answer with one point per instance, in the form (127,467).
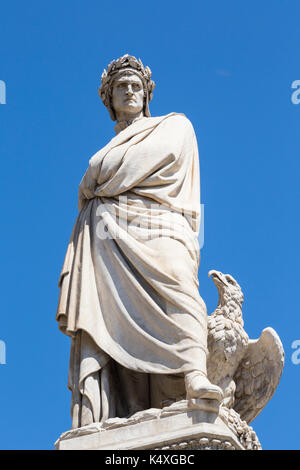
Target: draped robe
(129,294)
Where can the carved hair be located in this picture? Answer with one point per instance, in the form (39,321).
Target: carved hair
(125,64)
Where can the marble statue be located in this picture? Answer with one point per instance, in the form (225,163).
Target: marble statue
(129,295)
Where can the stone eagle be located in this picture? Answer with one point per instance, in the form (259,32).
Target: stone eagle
(248,371)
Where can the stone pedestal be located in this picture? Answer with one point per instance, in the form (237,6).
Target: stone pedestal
(185,425)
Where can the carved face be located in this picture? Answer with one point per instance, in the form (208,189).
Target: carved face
(128,95)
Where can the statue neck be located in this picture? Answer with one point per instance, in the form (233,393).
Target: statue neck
(125,121)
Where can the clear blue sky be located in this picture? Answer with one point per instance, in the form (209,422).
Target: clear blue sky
(229,67)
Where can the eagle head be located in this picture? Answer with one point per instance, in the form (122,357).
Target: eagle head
(230,293)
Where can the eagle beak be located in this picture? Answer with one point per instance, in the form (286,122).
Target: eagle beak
(212,273)
(217,277)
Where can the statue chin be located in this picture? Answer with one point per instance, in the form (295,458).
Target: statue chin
(129,112)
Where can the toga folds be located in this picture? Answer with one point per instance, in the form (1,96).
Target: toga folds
(129,284)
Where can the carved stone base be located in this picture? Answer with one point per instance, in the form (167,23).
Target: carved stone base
(185,425)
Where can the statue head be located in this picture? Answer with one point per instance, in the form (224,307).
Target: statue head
(230,292)
(127,72)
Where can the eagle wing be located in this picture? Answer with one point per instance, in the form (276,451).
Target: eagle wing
(258,374)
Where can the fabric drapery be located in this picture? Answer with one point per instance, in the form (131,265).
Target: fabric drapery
(129,286)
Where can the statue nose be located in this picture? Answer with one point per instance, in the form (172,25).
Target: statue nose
(129,90)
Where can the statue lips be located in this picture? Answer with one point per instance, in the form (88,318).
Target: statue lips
(128,100)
